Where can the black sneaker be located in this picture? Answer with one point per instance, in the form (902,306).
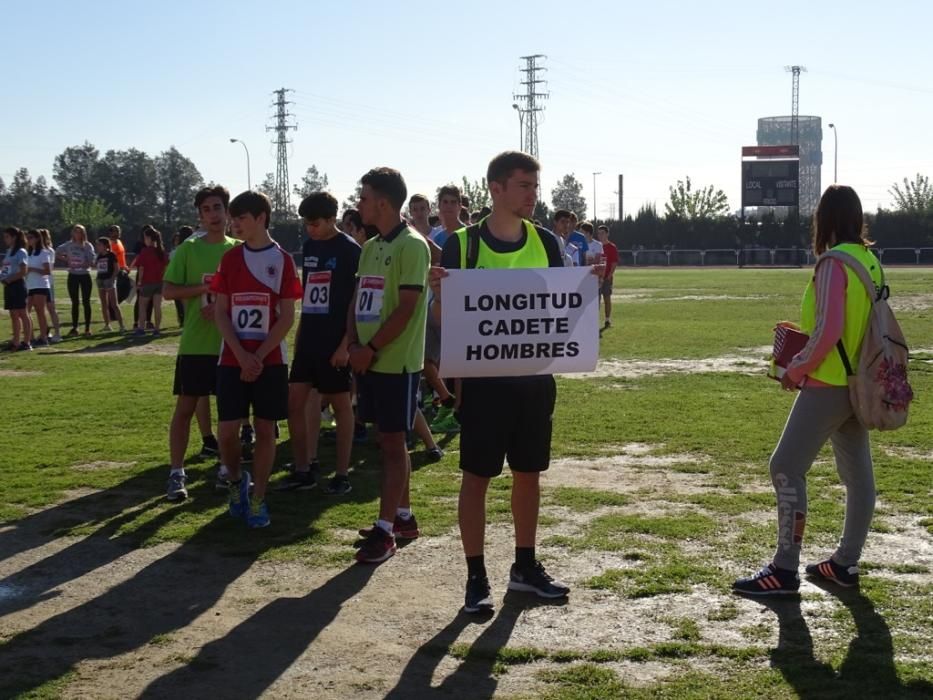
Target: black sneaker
(298,481)
(435,454)
(829,570)
(339,485)
(478,595)
(771,580)
(534,579)
(209,447)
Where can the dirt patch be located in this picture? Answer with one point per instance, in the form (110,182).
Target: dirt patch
(121,348)
(95,466)
(911,302)
(908,452)
(752,364)
(20,373)
(631,471)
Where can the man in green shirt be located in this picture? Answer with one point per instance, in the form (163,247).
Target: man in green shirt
(385,329)
(187,278)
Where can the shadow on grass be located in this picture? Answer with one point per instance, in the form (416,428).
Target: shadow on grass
(475,677)
(167,594)
(868,669)
(249,659)
(114,342)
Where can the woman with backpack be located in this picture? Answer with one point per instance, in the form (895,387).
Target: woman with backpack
(835,314)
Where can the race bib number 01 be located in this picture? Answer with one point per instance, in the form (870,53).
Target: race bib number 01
(250,314)
(317,293)
(207,298)
(369,298)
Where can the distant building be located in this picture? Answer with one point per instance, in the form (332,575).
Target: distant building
(776,131)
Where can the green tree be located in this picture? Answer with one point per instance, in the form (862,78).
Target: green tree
(353,200)
(126,182)
(541,212)
(477,192)
(28,203)
(568,194)
(177,181)
(692,204)
(916,196)
(92,213)
(311,181)
(74,171)
(267,186)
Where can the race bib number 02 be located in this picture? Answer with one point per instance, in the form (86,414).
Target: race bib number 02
(317,293)
(369,298)
(207,298)
(250,314)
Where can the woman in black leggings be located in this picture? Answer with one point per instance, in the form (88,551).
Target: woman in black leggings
(80,256)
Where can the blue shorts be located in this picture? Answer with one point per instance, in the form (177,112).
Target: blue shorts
(388,400)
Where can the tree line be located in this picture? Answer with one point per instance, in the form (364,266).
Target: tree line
(132,188)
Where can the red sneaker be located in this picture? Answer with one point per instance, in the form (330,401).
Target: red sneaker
(402,529)
(378,546)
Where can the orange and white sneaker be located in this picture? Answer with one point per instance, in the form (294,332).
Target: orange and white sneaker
(829,570)
(771,580)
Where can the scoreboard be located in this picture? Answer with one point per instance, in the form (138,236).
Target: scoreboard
(770,183)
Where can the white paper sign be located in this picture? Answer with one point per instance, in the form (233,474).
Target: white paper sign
(510,323)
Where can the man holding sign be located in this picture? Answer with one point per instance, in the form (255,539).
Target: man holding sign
(504,416)
(256,287)
(385,327)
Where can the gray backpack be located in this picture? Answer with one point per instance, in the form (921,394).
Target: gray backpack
(878,387)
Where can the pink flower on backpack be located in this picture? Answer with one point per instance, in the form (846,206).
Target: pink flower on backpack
(897,391)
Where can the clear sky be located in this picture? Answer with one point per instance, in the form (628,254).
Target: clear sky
(655,90)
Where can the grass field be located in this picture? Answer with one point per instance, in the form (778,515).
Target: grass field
(658,497)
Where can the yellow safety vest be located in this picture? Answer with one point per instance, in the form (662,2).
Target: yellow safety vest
(530,255)
(858,305)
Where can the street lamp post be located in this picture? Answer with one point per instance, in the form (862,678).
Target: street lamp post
(521,126)
(594,195)
(835,154)
(249,179)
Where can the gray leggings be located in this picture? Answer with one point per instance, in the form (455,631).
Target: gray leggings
(819,414)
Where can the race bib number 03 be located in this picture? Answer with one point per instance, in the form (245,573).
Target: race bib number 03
(207,298)
(317,293)
(250,314)
(369,298)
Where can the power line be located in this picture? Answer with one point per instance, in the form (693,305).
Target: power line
(530,99)
(280,194)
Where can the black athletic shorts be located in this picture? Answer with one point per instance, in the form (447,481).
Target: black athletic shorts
(503,419)
(14,296)
(388,400)
(318,372)
(41,292)
(268,395)
(605,286)
(195,375)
